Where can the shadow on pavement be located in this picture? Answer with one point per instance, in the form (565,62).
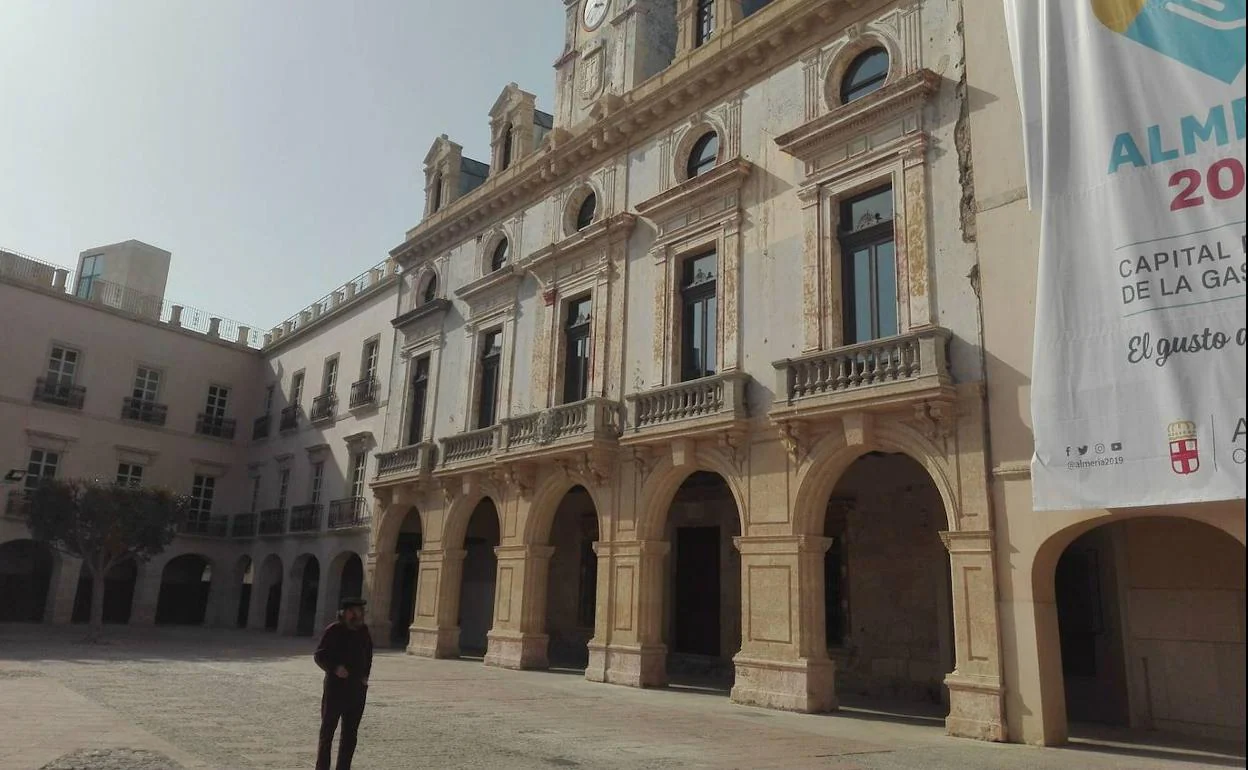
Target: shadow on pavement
(38,642)
(1115,741)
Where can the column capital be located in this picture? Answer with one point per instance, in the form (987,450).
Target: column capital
(781,544)
(632,548)
(968,541)
(523,551)
(442,556)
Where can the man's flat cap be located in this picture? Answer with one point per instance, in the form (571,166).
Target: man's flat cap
(354,601)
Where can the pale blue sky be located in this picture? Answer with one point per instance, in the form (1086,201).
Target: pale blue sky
(274,146)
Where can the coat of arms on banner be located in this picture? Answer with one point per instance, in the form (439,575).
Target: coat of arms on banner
(1184,451)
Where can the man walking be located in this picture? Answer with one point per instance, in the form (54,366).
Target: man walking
(345,654)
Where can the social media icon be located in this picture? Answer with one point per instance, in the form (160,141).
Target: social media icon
(1083,450)
(1100,449)
(1116,446)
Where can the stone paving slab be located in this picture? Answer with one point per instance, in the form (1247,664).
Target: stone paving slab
(249,701)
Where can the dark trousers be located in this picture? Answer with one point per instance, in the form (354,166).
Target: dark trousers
(339,703)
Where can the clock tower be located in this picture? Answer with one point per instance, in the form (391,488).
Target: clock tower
(610,46)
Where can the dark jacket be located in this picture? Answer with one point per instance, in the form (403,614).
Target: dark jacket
(340,646)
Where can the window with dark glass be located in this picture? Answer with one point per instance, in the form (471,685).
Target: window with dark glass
(585,214)
(698,317)
(431,288)
(751,7)
(704,155)
(576,356)
(508,143)
(436,192)
(705,22)
(498,259)
(491,360)
(865,74)
(419,397)
(88,275)
(41,465)
(868,266)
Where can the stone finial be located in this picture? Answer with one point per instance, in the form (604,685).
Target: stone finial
(59,279)
(243,333)
(175,316)
(214,327)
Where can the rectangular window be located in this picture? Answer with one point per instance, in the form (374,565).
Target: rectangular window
(705,22)
(418,400)
(576,351)
(42,465)
(218,399)
(699,317)
(329,382)
(359,467)
(491,364)
(318,481)
(283,487)
(88,274)
(868,267)
(62,367)
(296,389)
(368,360)
(255,493)
(129,475)
(146,384)
(202,492)
(269,392)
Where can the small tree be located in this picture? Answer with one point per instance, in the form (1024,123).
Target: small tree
(104,524)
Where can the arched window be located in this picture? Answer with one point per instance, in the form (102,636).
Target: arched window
(507,146)
(865,74)
(436,192)
(704,155)
(498,260)
(586,213)
(431,288)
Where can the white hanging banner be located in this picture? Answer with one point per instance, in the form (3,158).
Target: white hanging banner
(1134,124)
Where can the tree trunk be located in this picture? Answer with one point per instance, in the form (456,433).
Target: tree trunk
(96,627)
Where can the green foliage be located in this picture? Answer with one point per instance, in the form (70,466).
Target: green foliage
(103,523)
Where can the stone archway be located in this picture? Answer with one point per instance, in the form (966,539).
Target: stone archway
(119,587)
(572,581)
(304,593)
(407,545)
(266,601)
(1132,626)
(478,578)
(185,585)
(26,571)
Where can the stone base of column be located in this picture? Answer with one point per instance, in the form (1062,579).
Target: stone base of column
(433,642)
(632,666)
(801,685)
(976,709)
(509,649)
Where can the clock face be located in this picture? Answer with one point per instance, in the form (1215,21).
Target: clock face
(595,12)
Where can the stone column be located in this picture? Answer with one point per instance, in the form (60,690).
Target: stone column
(435,624)
(62,590)
(976,695)
(378,585)
(636,655)
(292,597)
(783,662)
(518,638)
(327,599)
(146,595)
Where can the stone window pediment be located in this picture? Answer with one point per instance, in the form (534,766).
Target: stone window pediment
(434,308)
(708,198)
(580,252)
(490,292)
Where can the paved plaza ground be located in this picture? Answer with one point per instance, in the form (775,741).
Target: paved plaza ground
(155,699)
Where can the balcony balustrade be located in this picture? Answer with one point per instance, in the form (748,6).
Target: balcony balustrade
(59,391)
(273,522)
(348,512)
(144,410)
(323,407)
(470,446)
(244,525)
(592,418)
(415,460)
(261,427)
(305,518)
(217,427)
(363,393)
(878,374)
(289,419)
(709,400)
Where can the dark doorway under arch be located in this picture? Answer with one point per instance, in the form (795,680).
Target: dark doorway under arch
(25,578)
(246,579)
(309,588)
(406,573)
(270,593)
(185,583)
(476,598)
(119,586)
(572,584)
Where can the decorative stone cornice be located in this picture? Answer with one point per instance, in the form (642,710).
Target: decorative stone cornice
(488,284)
(843,123)
(606,231)
(725,178)
(774,35)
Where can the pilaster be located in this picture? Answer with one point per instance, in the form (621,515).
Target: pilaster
(635,654)
(976,692)
(518,639)
(378,586)
(146,596)
(435,624)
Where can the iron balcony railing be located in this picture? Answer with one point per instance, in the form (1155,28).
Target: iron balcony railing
(916,357)
(719,394)
(364,393)
(244,525)
(261,427)
(323,407)
(289,419)
(273,521)
(470,445)
(61,392)
(144,410)
(417,458)
(348,512)
(218,427)
(207,526)
(305,518)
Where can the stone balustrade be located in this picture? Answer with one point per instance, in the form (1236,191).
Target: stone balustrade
(470,445)
(590,418)
(416,459)
(717,395)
